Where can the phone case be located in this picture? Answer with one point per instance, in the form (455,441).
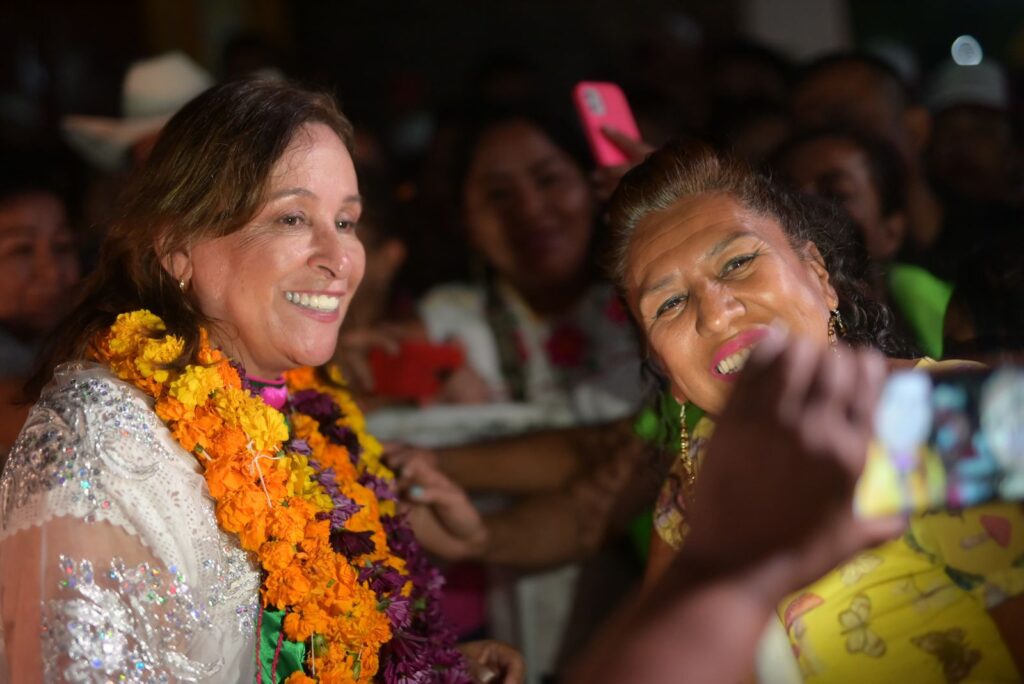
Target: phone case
(945,441)
(603,104)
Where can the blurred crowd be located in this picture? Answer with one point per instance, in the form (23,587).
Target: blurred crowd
(487,338)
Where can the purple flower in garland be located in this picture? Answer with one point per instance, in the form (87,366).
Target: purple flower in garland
(352,544)
(398,609)
(317,405)
(299,446)
(422,649)
(425,650)
(383,579)
(344,437)
(382,489)
(344,507)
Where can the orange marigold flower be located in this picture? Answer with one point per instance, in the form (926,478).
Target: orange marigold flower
(287,587)
(305,621)
(299,677)
(229,375)
(276,555)
(288,523)
(170,409)
(228,440)
(301,378)
(254,535)
(238,508)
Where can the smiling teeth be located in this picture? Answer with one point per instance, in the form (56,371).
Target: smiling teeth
(734,362)
(325,303)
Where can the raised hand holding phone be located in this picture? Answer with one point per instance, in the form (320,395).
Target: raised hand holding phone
(602,106)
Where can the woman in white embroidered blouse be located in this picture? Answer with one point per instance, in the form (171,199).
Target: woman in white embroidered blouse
(118,561)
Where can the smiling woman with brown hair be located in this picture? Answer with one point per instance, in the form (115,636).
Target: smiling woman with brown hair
(189,499)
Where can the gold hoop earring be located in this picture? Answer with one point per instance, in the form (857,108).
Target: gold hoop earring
(684,450)
(836,328)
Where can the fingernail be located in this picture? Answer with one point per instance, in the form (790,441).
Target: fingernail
(416,492)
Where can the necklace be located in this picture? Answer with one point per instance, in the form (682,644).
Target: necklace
(303,488)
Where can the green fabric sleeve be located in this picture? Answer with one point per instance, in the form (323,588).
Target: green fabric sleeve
(292,653)
(922,299)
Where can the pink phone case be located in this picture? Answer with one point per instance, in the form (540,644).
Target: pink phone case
(603,104)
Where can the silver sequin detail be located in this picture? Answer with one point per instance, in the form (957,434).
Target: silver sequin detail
(52,452)
(90,447)
(124,624)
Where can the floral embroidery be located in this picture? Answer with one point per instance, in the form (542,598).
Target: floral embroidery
(567,346)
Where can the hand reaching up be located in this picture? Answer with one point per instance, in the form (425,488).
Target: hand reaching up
(606,178)
(776,488)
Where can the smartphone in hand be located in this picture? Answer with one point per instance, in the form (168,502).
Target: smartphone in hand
(601,104)
(945,440)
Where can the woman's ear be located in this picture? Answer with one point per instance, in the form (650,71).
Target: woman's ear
(816,263)
(177,263)
(658,369)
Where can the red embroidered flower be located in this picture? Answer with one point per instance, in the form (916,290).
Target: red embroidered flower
(566,346)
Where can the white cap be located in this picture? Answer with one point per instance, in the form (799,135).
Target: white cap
(981,84)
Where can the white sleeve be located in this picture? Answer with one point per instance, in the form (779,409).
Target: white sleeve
(111,564)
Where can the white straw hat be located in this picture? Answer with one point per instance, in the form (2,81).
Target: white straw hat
(152,91)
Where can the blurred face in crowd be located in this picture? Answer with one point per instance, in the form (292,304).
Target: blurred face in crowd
(279,287)
(528,207)
(855,95)
(706,278)
(38,262)
(839,170)
(971,151)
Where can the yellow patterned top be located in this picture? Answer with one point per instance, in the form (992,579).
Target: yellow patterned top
(914,609)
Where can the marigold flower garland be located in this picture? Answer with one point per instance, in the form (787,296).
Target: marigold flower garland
(316,507)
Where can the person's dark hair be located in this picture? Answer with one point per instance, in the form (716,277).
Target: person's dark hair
(687,169)
(29,171)
(989,291)
(885,163)
(906,92)
(207,177)
(556,123)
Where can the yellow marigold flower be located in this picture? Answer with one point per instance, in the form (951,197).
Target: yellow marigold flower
(302,481)
(131,329)
(263,424)
(194,386)
(158,353)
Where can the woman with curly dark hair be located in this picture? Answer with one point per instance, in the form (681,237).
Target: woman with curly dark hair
(710,256)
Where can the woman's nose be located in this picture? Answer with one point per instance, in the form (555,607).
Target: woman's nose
(716,307)
(332,256)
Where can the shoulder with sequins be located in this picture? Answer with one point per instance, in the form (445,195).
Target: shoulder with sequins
(87,426)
